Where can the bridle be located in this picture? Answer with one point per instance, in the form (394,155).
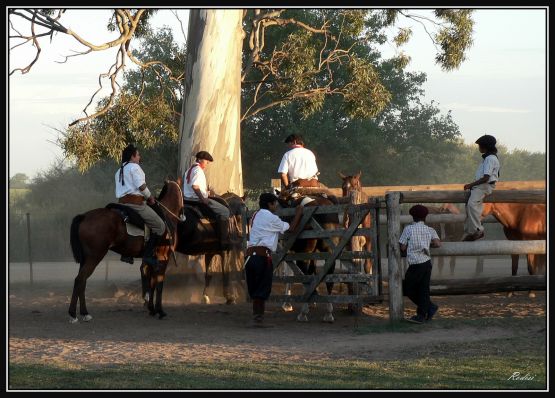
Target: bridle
(180,218)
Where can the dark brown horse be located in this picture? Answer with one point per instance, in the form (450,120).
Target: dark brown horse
(199,235)
(97,231)
(522,222)
(311,245)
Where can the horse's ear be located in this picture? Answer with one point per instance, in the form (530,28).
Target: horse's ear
(244,197)
(358,174)
(341,175)
(179,181)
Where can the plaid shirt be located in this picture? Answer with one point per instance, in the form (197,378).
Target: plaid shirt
(417,236)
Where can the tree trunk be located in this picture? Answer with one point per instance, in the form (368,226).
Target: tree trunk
(210,118)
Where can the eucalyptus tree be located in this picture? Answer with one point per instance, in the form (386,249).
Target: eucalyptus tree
(227,53)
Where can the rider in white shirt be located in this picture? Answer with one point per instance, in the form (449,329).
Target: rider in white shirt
(299,163)
(195,188)
(131,191)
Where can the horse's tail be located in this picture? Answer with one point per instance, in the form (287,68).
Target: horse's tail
(76,246)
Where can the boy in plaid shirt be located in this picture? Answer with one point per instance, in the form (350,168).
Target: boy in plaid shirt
(416,240)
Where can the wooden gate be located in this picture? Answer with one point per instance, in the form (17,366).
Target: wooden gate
(366,288)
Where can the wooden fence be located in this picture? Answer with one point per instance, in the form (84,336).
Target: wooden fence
(478,285)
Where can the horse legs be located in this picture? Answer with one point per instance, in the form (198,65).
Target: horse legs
(440,263)
(159,278)
(536,266)
(480,265)
(79,285)
(286,271)
(207,278)
(145,277)
(229,291)
(453,261)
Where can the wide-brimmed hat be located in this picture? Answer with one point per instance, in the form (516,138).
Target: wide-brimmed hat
(204,155)
(418,211)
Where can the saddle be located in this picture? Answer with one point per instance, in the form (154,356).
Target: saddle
(201,210)
(128,214)
(133,221)
(294,196)
(301,182)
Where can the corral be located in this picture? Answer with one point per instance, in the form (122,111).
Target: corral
(211,346)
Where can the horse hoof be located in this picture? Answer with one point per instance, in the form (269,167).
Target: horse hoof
(86,318)
(73,320)
(532,295)
(287,307)
(205,299)
(302,318)
(161,314)
(146,297)
(509,294)
(328,318)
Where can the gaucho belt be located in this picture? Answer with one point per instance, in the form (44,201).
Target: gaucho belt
(132,199)
(258,251)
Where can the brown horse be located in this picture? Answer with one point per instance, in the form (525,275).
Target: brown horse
(522,222)
(352,187)
(199,236)
(311,245)
(97,231)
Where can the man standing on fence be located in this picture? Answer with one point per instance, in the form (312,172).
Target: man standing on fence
(415,241)
(487,175)
(263,239)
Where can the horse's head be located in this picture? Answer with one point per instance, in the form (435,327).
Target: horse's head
(350,183)
(235,202)
(171,198)
(488,209)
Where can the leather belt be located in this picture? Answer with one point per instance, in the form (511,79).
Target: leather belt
(132,199)
(258,251)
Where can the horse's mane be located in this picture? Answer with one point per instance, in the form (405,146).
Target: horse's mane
(163,191)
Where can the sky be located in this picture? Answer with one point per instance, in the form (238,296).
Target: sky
(500,89)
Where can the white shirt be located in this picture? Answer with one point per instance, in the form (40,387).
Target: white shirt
(133,176)
(298,162)
(489,166)
(418,236)
(265,229)
(194,176)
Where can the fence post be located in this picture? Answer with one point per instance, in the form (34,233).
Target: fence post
(29,247)
(396,309)
(106,274)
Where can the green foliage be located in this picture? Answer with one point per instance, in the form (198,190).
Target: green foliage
(146,112)
(454,38)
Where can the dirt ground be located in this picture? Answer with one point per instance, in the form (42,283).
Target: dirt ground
(122,331)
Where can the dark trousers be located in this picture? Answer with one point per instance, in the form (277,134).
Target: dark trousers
(416,286)
(259,272)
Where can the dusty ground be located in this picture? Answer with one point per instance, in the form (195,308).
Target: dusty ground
(123,332)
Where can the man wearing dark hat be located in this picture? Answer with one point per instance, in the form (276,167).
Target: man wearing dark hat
(195,188)
(131,191)
(487,175)
(416,240)
(298,164)
(265,228)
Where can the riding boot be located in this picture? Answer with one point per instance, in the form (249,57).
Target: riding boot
(223,224)
(149,256)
